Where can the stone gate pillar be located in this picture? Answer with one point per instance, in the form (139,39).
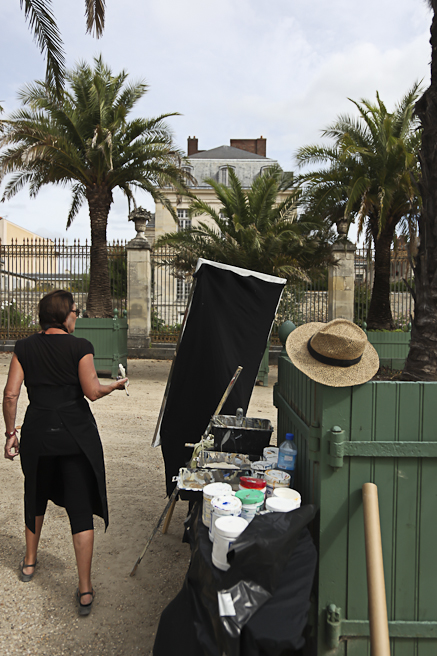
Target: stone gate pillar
(139,288)
(341,280)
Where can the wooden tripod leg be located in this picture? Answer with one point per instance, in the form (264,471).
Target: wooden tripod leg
(169,515)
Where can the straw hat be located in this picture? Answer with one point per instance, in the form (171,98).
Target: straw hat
(336,354)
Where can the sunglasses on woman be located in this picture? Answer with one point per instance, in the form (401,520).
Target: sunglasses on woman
(76,311)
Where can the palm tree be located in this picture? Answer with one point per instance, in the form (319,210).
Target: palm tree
(42,23)
(85,140)
(256,229)
(370,174)
(421,363)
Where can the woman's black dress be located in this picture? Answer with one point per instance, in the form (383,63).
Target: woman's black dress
(58,420)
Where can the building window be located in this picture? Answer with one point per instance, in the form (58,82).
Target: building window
(223,175)
(189,171)
(184,222)
(182,290)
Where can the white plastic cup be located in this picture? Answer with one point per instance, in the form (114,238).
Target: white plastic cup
(288,493)
(276,478)
(225,506)
(276,504)
(209,492)
(226,531)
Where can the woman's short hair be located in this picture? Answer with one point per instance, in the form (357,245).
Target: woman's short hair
(54,308)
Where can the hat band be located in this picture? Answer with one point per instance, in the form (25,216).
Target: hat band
(331,361)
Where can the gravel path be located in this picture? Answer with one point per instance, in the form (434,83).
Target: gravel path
(40,617)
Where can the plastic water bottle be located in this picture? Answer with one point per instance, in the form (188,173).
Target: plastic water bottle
(287,456)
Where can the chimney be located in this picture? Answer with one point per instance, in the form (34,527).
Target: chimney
(192,147)
(255,146)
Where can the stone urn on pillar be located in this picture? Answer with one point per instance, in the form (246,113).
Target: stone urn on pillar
(141,218)
(139,286)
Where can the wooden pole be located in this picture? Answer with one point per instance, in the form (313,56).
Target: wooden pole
(379,637)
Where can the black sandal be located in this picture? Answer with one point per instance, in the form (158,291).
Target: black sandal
(84,609)
(26,577)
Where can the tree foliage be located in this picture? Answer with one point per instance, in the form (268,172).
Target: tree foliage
(84,140)
(369,175)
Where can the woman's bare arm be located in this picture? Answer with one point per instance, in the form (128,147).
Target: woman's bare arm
(11,395)
(89,381)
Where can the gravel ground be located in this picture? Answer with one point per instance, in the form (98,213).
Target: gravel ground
(40,617)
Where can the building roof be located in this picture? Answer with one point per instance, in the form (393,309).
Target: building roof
(227,152)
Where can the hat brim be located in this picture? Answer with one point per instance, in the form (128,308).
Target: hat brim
(357,374)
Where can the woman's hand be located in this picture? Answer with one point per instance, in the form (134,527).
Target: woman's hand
(91,386)
(12,447)
(120,384)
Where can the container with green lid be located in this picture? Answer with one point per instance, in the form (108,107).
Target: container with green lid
(252,501)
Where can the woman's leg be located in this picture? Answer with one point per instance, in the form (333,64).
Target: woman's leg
(32,540)
(83,546)
(79,490)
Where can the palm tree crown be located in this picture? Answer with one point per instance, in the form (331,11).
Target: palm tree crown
(84,140)
(370,175)
(256,228)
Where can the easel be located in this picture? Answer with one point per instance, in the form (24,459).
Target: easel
(169,509)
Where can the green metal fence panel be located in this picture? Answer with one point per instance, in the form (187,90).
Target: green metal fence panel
(382,432)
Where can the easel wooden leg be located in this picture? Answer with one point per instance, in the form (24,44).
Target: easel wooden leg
(169,515)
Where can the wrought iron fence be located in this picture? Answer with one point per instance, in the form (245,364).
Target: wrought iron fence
(301,303)
(34,268)
(170,293)
(401,279)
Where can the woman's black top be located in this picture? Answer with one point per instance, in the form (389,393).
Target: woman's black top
(58,419)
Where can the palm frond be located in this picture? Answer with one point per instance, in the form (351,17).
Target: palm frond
(45,31)
(95,16)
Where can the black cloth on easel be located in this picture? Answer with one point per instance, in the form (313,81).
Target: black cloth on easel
(228,325)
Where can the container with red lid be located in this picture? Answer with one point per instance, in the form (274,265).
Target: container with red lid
(252,483)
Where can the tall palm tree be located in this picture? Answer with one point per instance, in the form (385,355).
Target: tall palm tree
(39,15)
(256,228)
(84,140)
(421,363)
(369,175)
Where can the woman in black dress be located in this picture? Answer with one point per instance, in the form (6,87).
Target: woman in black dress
(60,450)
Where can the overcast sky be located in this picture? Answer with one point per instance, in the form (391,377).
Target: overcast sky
(283,69)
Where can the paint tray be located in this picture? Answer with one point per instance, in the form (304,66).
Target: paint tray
(250,437)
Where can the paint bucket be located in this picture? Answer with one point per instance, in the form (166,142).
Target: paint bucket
(252,500)
(275,478)
(288,493)
(271,454)
(209,492)
(276,504)
(225,506)
(259,468)
(252,483)
(226,531)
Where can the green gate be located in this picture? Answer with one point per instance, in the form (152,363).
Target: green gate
(380,432)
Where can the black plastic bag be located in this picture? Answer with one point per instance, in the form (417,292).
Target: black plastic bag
(222,604)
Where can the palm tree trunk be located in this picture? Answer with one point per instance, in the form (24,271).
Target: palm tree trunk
(421,363)
(99,302)
(379,316)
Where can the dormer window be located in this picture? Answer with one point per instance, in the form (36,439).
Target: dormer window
(188,170)
(223,175)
